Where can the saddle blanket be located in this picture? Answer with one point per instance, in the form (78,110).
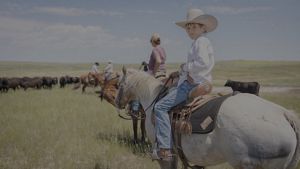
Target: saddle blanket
(203,119)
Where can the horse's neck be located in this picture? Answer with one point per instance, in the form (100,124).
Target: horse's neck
(146,102)
(146,88)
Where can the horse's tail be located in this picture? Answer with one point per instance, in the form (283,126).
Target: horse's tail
(295,123)
(77,85)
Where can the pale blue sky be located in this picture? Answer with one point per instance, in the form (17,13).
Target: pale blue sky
(120,30)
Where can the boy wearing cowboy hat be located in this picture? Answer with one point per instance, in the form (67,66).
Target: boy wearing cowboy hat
(195,74)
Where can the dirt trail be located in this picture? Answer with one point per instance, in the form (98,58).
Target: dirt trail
(267,89)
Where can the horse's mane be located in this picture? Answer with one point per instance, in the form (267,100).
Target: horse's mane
(142,83)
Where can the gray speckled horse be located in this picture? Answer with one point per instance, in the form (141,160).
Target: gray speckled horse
(250,133)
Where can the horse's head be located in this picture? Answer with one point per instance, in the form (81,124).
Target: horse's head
(136,85)
(99,77)
(124,94)
(109,90)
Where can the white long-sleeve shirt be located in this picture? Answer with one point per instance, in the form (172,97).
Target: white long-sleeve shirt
(94,69)
(109,68)
(200,61)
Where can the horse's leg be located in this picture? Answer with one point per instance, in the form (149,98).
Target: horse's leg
(134,125)
(143,129)
(96,83)
(83,88)
(134,111)
(174,162)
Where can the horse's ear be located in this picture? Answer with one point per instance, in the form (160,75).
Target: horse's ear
(124,70)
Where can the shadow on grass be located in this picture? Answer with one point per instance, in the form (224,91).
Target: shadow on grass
(125,139)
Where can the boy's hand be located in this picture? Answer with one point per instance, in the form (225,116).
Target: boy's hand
(174,75)
(190,79)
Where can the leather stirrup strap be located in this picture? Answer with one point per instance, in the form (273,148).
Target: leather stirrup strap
(178,149)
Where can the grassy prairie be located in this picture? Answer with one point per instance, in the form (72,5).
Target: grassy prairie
(64,129)
(60,128)
(31,69)
(267,73)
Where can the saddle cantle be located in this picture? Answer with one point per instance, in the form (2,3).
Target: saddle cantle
(197,116)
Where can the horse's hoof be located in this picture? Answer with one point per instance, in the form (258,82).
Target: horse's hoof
(135,142)
(97,166)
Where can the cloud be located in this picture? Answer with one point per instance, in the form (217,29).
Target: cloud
(236,10)
(151,12)
(22,37)
(62,11)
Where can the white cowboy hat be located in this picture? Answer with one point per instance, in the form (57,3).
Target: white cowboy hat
(197,16)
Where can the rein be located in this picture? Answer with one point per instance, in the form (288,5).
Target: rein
(125,118)
(137,117)
(162,90)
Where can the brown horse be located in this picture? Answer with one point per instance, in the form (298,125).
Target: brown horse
(90,79)
(109,92)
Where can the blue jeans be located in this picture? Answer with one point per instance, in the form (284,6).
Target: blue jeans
(161,108)
(135,105)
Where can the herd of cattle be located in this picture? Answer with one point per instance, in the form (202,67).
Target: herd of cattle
(47,83)
(35,82)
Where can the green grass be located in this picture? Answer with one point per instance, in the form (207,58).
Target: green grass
(65,129)
(267,73)
(290,100)
(61,128)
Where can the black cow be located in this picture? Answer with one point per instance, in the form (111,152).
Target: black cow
(62,81)
(244,87)
(13,83)
(54,80)
(3,84)
(48,82)
(69,79)
(75,79)
(35,83)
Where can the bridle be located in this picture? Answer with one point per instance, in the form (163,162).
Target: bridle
(118,101)
(119,96)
